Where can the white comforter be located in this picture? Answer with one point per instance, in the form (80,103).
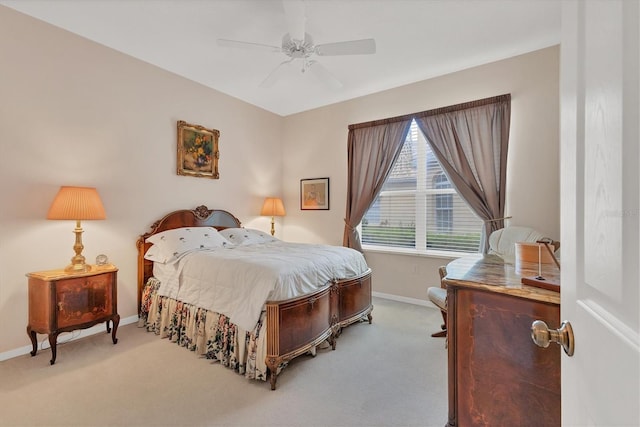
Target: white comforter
(237,281)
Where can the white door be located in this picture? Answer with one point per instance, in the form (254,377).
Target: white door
(600,159)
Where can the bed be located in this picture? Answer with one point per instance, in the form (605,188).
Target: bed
(288,324)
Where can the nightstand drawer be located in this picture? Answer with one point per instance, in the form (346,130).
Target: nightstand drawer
(84,299)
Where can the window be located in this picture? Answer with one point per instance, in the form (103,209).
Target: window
(418,209)
(443,204)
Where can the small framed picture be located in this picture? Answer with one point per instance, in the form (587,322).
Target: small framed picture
(314,194)
(198,151)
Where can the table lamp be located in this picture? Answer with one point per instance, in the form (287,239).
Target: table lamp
(272,207)
(77,203)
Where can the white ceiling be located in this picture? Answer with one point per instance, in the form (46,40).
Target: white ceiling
(416,40)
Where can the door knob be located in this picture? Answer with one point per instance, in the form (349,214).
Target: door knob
(542,335)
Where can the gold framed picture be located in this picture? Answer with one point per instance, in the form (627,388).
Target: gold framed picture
(198,152)
(314,194)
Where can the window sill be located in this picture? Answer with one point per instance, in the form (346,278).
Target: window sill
(413,252)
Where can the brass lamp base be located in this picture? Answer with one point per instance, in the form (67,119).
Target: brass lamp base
(77,268)
(77,262)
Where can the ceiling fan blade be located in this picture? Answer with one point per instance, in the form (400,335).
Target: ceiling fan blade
(275,75)
(324,75)
(295,15)
(248,45)
(353,47)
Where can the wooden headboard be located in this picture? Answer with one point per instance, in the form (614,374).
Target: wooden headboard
(198,217)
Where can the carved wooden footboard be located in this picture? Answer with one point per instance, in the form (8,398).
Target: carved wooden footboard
(297,325)
(294,326)
(354,299)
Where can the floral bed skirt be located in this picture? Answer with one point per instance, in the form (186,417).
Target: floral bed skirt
(207,333)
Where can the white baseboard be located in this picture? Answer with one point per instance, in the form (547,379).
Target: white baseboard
(408,300)
(77,334)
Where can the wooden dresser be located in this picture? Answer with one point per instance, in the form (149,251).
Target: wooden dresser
(497,375)
(63,302)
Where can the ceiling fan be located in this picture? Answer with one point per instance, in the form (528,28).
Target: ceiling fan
(297,44)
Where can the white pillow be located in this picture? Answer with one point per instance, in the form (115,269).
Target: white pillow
(154,254)
(247,236)
(170,244)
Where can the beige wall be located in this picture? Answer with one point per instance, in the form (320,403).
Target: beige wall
(316,146)
(73,112)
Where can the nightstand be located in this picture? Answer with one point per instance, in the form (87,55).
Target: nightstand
(63,302)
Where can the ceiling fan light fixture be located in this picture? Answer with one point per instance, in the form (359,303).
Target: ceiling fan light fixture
(298,48)
(298,44)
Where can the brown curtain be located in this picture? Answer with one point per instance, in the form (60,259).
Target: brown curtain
(372,150)
(470,141)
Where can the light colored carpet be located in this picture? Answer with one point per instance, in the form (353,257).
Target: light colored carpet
(389,373)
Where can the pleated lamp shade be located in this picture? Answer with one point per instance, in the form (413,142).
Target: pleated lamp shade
(272,207)
(77,203)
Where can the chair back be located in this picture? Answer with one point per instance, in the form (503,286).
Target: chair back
(502,242)
(443,272)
